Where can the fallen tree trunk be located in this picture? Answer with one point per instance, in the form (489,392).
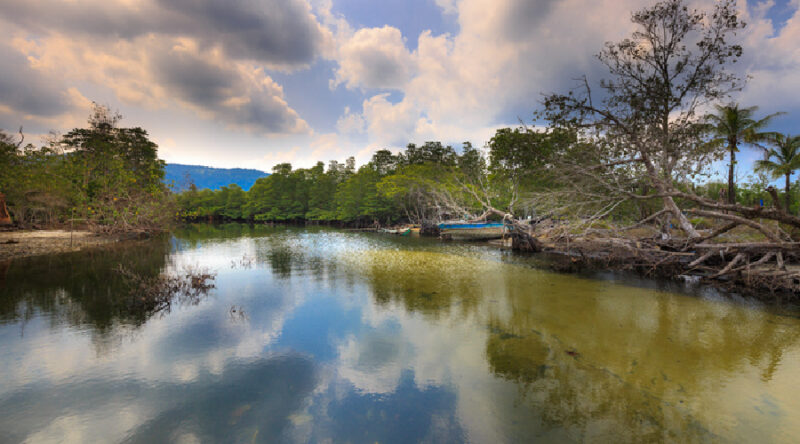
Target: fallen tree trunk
(750,213)
(739,257)
(761,246)
(738,220)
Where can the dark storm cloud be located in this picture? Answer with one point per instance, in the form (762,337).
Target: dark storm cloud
(269,30)
(211,86)
(96,17)
(524,15)
(193,79)
(269,114)
(278,32)
(26,91)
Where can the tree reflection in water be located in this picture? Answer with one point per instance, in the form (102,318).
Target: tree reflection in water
(362,337)
(81,289)
(600,360)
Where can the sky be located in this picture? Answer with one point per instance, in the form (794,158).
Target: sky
(253,83)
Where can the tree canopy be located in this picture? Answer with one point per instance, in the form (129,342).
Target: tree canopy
(732,126)
(103,175)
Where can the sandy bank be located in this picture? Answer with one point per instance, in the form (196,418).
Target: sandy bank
(16,244)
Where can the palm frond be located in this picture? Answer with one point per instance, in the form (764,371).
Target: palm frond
(769,166)
(759,124)
(786,152)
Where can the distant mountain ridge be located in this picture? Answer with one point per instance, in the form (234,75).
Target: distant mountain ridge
(179,177)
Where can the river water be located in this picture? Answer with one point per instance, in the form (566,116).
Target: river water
(318,335)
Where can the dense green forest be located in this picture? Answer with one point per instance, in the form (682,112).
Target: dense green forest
(110,178)
(387,189)
(103,176)
(431,182)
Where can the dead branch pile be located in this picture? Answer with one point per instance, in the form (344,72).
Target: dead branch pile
(753,267)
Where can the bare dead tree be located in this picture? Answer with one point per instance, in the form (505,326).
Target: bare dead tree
(642,142)
(645,124)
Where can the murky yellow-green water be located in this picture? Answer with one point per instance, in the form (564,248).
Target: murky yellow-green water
(348,337)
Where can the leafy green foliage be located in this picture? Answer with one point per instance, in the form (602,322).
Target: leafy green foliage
(410,185)
(105,176)
(731,126)
(786,154)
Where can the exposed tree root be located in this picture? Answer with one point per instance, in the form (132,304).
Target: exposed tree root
(757,268)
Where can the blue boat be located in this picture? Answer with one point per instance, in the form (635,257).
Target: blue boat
(472,231)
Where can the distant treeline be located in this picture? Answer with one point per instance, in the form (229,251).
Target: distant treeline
(387,189)
(430,182)
(110,178)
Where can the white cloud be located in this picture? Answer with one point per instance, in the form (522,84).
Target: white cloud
(505,55)
(508,53)
(773,61)
(388,122)
(448,6)
(350,122)
(374,58)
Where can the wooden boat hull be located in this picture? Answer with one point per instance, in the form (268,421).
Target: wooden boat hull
(405,232)
(472,231)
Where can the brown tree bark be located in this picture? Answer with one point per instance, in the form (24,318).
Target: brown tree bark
(5,218)
(731,171)
(773,193)
(747,212)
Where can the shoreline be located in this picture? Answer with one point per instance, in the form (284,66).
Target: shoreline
(768,283)
(570,257)
(30,243)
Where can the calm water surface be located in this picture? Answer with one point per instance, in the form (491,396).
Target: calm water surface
(315,335)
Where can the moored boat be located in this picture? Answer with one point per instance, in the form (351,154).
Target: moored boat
(472,231)
(401,232)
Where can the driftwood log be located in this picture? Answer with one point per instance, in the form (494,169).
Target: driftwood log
(759,268)
(753,267)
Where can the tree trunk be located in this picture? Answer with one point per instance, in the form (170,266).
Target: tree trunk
(747,212)
(683,222)
(5,218)
(773,193)
(644,210)
(788,186)
(731,185)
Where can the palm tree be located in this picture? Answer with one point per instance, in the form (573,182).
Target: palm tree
(786,152)
(732,125)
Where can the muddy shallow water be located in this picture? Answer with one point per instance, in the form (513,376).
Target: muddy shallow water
(315,335)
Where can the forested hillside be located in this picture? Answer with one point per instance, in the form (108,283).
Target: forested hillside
(178,177)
